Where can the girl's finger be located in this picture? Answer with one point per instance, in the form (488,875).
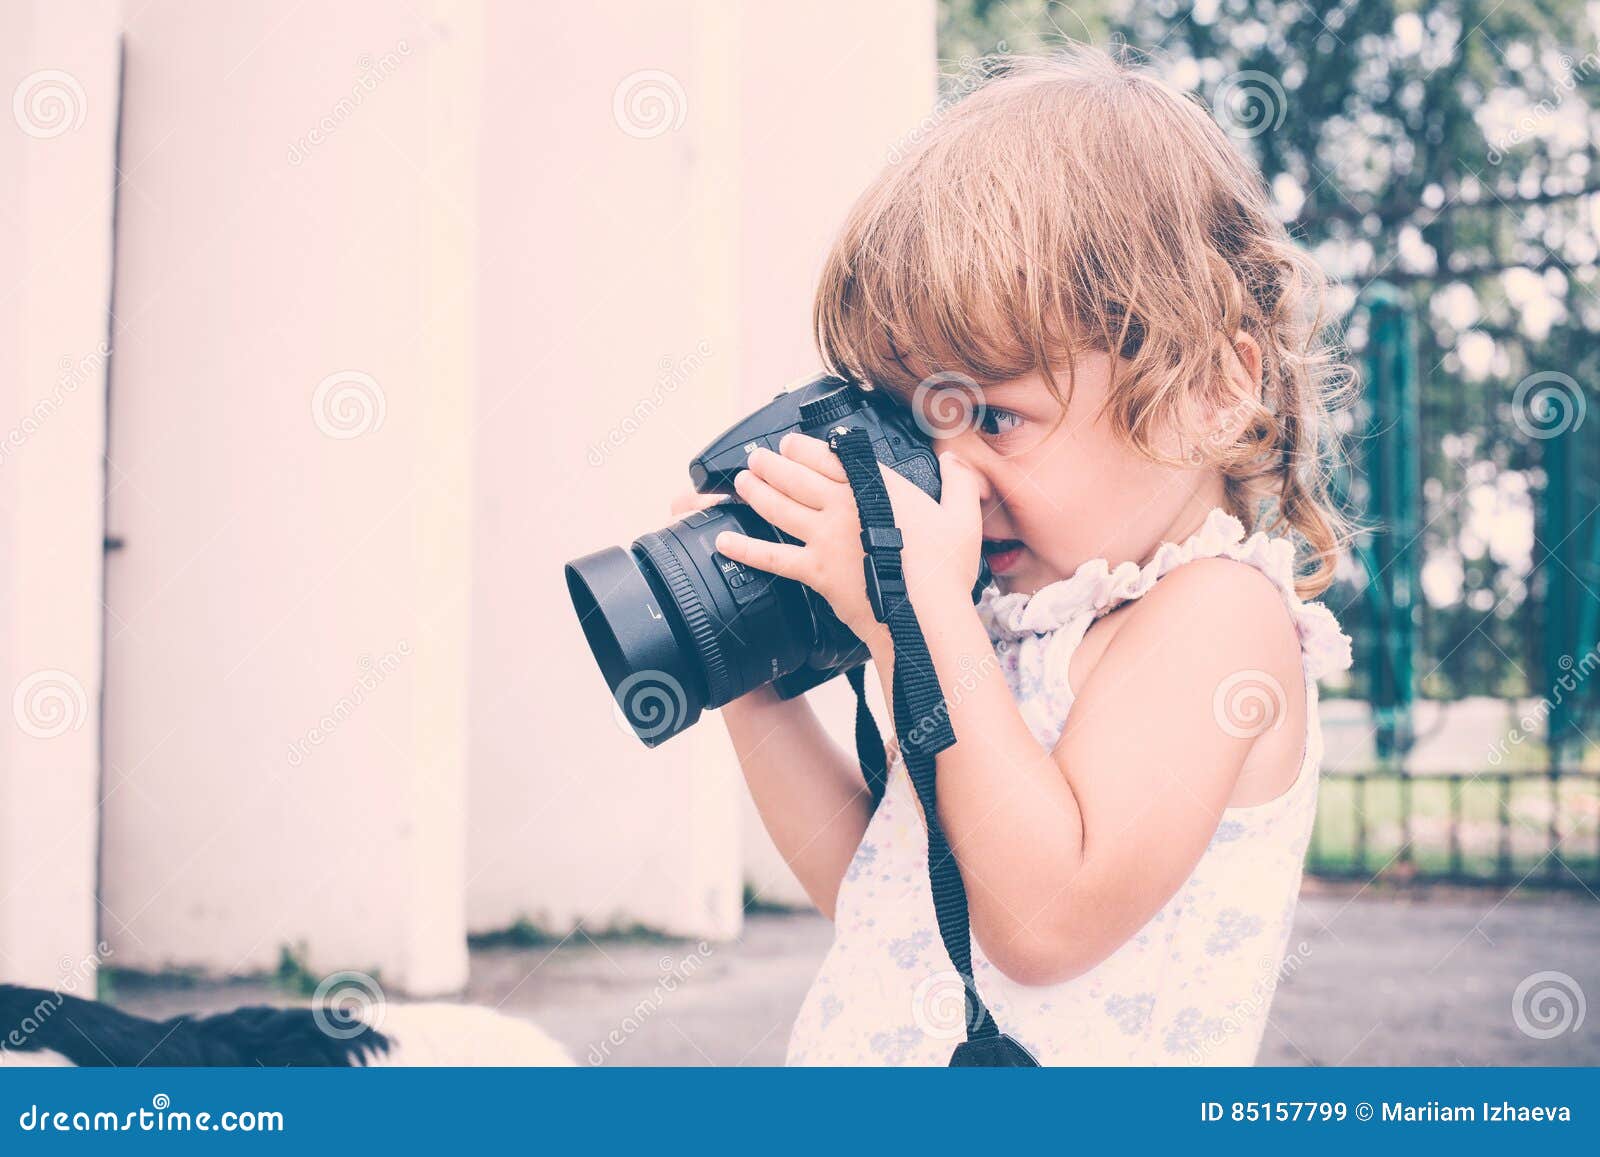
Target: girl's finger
(775,506)
(960,486)
(901,489)
(801,483)
(780,558)
(812,452)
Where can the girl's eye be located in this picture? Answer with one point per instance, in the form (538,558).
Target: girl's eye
(994,421)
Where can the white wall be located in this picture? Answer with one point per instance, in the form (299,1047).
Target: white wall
(289,450)
(413,303)
(673,295)
(58,66)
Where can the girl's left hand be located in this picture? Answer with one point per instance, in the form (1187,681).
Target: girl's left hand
(803,491)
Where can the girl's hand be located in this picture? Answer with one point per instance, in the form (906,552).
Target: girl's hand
(803,491)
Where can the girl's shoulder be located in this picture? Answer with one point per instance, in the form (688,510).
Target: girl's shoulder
(1215,583)
(1213,612)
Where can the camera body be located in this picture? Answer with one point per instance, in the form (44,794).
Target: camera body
(678,627)
(815,409)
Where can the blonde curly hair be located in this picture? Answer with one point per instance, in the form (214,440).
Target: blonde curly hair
(1077,203)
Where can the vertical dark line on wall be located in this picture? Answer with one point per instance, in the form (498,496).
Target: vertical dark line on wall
(105,484)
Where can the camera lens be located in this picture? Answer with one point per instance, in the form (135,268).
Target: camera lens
(677,627)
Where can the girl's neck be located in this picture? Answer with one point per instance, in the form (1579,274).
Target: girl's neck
(1191,516)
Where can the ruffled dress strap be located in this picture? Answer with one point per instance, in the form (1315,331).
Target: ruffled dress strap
(1096,587)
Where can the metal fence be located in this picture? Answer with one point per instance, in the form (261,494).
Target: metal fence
(1502,828)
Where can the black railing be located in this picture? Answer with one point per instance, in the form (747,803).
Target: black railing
(1498,827)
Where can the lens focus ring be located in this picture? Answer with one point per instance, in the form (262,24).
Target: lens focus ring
(663,553)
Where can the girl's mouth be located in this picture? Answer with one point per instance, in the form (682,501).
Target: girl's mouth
(1002,554)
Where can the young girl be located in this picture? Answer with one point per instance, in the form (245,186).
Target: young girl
(1080,288)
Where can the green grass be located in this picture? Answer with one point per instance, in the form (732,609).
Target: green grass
(526,933)
(1347,806)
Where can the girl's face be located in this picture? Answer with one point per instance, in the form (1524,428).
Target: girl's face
(1053,499)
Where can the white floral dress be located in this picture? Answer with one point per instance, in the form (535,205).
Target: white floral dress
(1193,986)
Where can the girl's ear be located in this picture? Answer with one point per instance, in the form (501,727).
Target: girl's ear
(1246,370)
(1222,419)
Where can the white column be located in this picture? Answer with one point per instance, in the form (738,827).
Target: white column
(58,71)
(291,415)
(661,204)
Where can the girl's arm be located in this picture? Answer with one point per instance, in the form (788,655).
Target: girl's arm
(1067,853)
(809,792)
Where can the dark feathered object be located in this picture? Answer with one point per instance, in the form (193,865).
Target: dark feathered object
(90,1034)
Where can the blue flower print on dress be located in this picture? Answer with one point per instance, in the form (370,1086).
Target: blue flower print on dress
(1131,1013)
(863,858)
(907,952)
(894,1047)
(1227,831)
(1232,927)
(1190,1031)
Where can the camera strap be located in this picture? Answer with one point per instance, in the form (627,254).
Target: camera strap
(922,726)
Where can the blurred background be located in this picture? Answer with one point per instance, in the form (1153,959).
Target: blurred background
(332,331)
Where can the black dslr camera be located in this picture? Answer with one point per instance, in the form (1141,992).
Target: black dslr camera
(677,627)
